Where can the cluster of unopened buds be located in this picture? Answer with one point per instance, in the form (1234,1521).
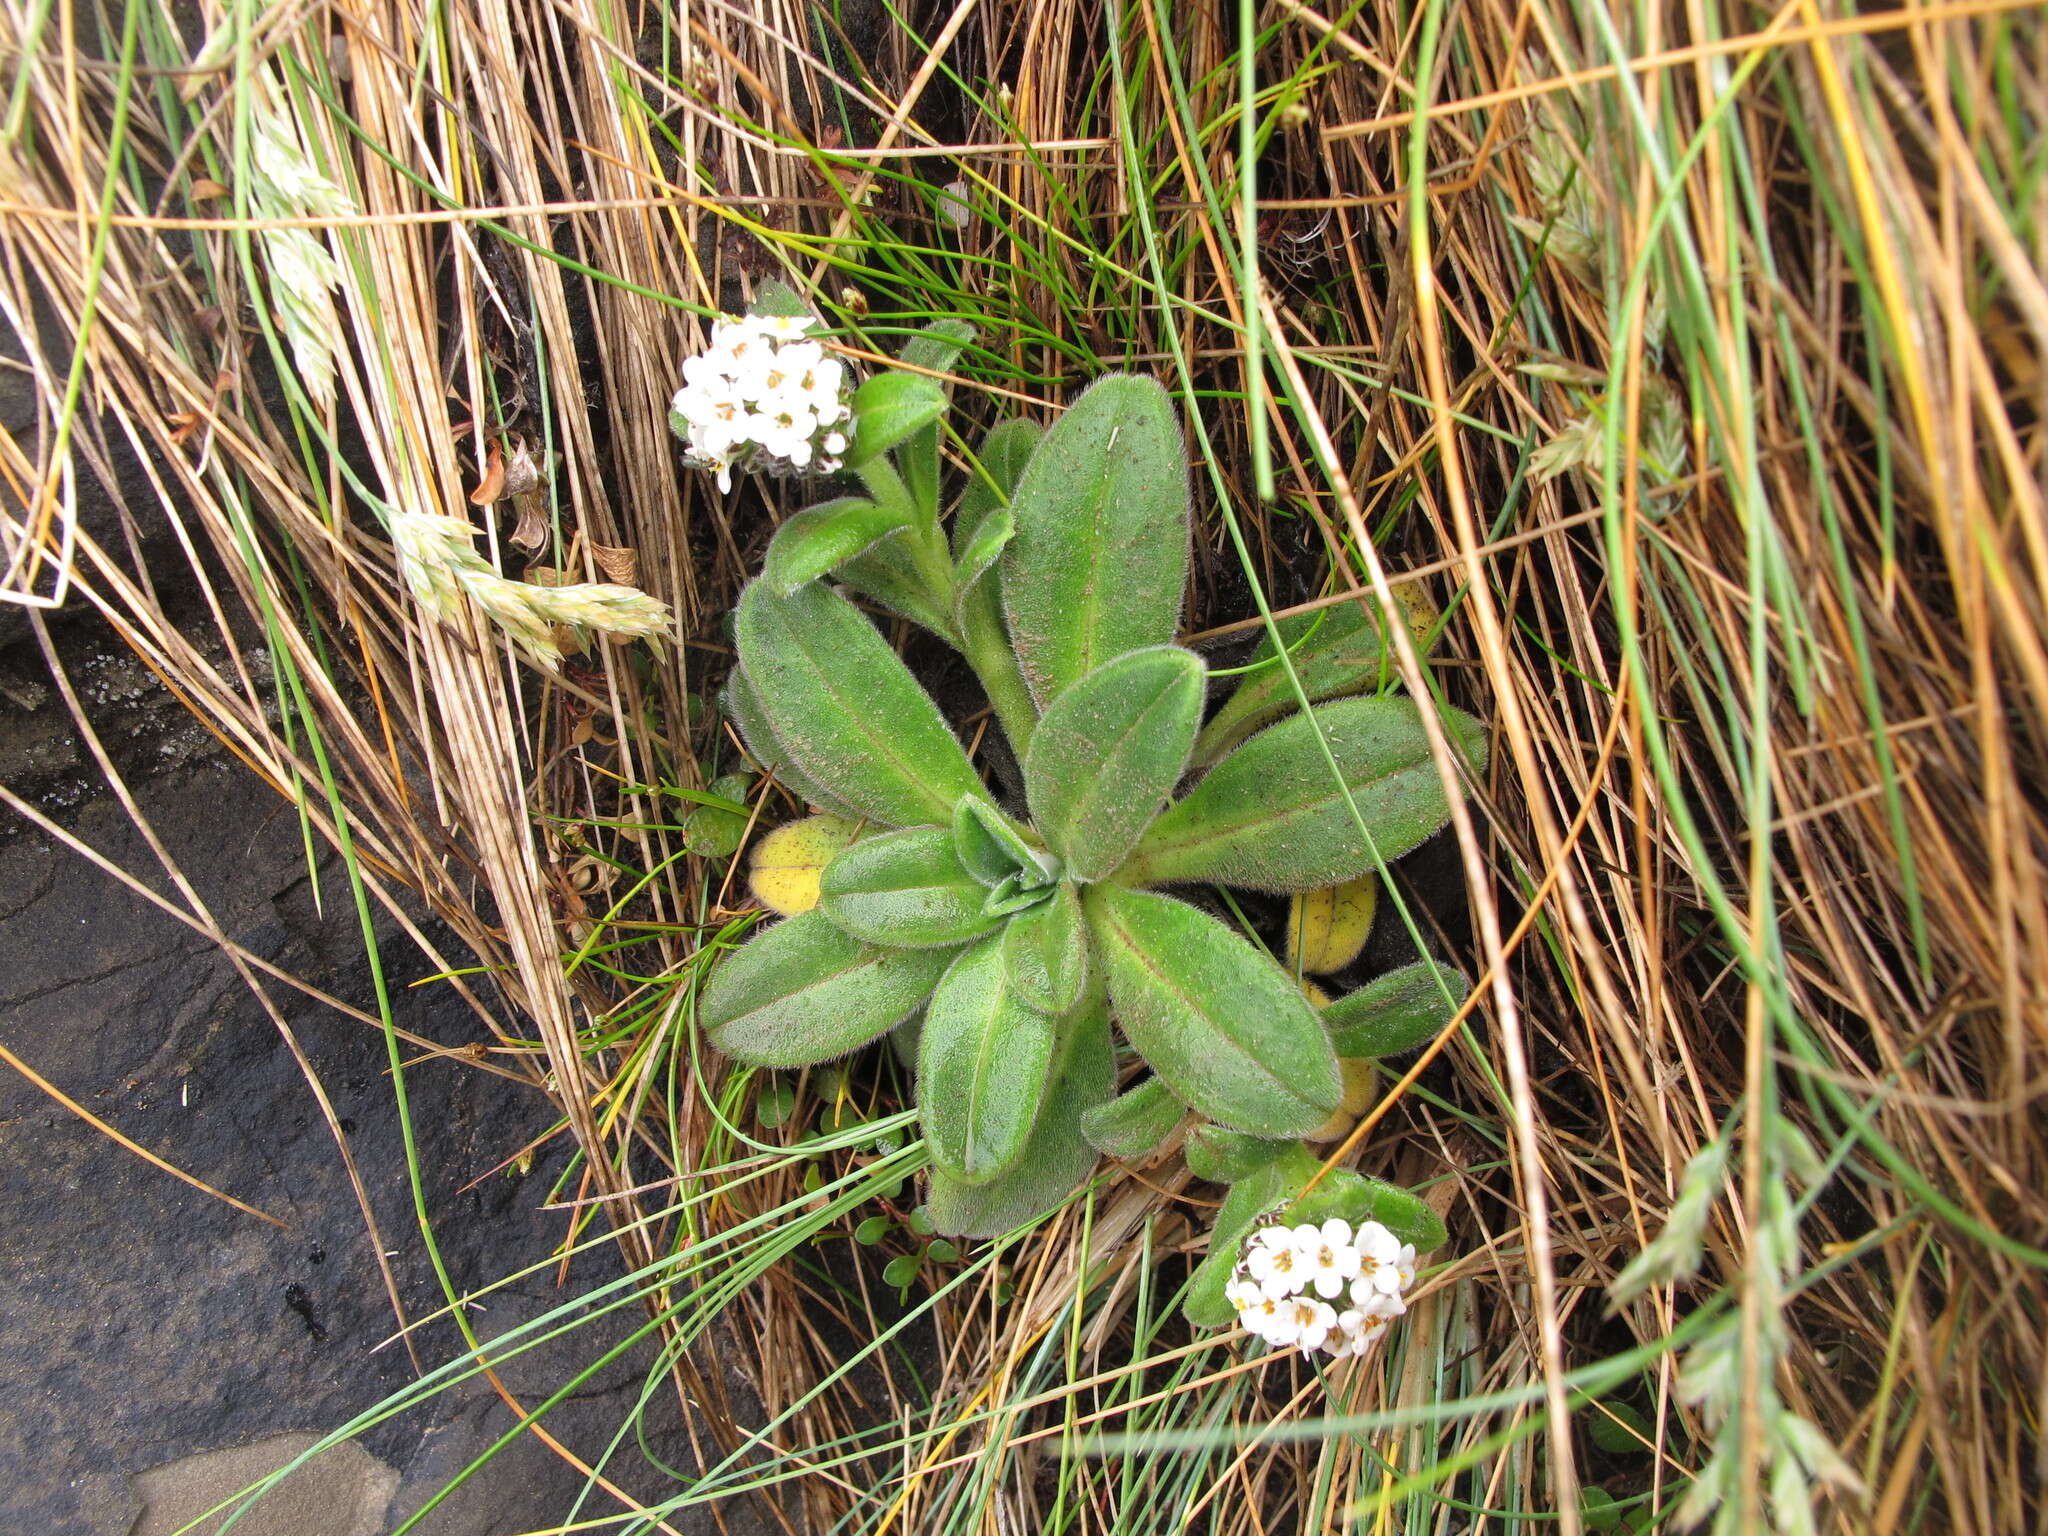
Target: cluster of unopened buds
(1328,1288)
(763,397)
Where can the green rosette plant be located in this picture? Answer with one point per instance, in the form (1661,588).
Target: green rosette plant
(1008,940)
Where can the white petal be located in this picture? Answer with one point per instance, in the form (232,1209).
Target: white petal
(1375,1241)
(1336,1232)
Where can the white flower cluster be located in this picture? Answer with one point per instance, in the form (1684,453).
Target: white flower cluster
(1322,1288)
(763,397)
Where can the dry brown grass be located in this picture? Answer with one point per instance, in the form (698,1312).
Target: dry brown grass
(1838,593)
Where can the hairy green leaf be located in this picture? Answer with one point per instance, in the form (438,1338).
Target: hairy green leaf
(1107,753)
(1334,651)
(990,848)
(1057,1157)
(743,708)
(839,699)
(1396,1012)
(1100,556)
(1265,1188)
(1045,951)
(1003,453)
(1223,1156)
(888,408)
(803,992)
(887,572)
(1016,893)
(936,347)
(992,535)
(1358,1199)
(1226,1028)
(777,299)
(982,531)
(1133,1124)
(1272,816)
(981,1068)
(905,889)
(822,537)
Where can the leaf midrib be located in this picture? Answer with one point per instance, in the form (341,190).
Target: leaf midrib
(1133,948)
(862,724)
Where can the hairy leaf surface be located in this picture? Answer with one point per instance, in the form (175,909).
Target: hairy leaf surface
(937,347)
(1045,951)
(1266,1187)
(1272,816)
(906,889)
(1057,1157)
(844,704)
(1227,1029)
(1107,753)
(1396,1012)
(982,1066)
(1100,556)
(1134,1123)
(742,707)
(819,538)
(803,992)
(888,408)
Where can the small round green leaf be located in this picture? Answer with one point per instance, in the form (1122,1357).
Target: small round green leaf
(872,1231)
(802,991)
(887,409)
(1619,1429)
(902,1269)
(1107,753)
(773,1104)
(904,889)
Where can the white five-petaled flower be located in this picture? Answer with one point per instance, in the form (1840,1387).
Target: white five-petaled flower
(1329,1253)
(1276,1263)
(763,396)
(1326,1289)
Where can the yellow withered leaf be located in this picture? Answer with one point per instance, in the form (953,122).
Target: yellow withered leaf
(1327,928)
(789,861)
(1421,612)
(1360,1082)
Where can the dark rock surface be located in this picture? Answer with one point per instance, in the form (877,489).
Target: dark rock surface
(147,1322)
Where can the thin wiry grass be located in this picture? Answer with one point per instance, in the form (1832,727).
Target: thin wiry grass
(1758,864)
